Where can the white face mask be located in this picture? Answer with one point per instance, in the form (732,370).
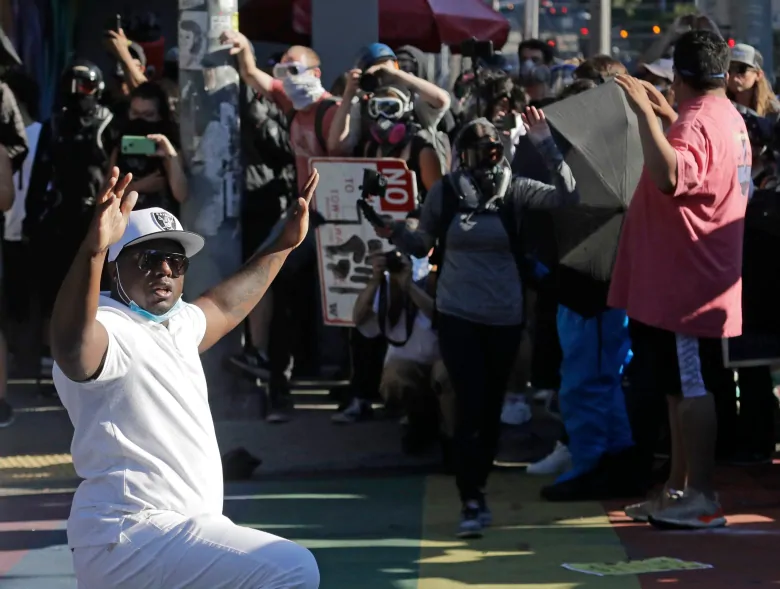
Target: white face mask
(303,90)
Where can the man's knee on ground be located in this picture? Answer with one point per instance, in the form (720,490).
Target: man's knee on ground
(296,569)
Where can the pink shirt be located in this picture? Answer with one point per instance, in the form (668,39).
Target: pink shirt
(679,262)
(304,141)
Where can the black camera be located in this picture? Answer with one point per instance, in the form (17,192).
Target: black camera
(395,261)
(477,49)
(368,82)
(374,184)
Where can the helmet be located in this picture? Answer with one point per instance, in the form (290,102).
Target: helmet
(84,78)
(479,145)
(374,54)
(81,86)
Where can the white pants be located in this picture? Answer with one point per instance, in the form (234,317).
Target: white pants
(164,550)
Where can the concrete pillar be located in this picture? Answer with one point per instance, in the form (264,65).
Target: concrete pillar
(339,29)
(601,27)
(210,143)
(531,25)
(751,22)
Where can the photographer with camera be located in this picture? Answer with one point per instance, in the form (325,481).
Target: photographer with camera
(474,214)
(395,115)
(398,308)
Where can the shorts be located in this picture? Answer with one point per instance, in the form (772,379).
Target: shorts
(672,364)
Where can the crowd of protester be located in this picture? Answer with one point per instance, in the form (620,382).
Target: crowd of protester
(455,333)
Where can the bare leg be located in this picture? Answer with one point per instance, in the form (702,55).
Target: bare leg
(679,467)
(699,429)
(260,322)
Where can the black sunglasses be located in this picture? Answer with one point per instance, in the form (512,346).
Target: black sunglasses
(740,68)
(151,260)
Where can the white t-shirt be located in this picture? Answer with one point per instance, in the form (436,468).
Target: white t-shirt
(423,344)
(14,217)
(144,436)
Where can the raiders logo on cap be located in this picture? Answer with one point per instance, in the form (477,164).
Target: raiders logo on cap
(164,221)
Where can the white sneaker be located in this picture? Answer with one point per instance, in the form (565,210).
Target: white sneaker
(357,410)
(557,462)
(516,410)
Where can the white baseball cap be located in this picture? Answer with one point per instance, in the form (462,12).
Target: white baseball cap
(156,223)
(663,68)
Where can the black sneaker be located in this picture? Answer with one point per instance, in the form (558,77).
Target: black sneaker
(470,524)
(6,413)
(254,363)
(485,515)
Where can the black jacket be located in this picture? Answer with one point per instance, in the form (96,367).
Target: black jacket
(268,158)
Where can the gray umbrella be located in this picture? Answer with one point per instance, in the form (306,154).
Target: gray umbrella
(8,55)
(597,133)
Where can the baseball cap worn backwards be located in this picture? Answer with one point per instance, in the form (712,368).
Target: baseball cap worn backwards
(156,223)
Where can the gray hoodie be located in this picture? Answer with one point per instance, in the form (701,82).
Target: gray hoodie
(480,282)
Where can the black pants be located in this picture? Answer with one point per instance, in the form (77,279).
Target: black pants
(293,329)
(757,408)
(479,359)
(367,356)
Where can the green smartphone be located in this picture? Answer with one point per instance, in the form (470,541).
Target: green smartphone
(136,145)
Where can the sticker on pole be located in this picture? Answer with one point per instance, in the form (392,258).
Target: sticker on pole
(636,567)
(352,194)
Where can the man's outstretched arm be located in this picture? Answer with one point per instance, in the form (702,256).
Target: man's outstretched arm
(228,304)
(78,340)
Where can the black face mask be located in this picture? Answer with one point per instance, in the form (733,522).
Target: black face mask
(81,104)
(142,128)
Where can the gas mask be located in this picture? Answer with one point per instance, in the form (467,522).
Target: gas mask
(484,162)
(390,115)
(81,104)
(492,182)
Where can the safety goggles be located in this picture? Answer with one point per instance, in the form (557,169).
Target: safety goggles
(151,260)
(284,70)
(483,155)
(387,106)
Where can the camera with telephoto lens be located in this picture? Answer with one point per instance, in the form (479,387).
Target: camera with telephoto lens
(394,261)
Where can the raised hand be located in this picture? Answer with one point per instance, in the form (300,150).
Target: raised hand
(112,213)
(165,148)
(535,124)
(659,103)
(238,41)
(636,94)
(297,223)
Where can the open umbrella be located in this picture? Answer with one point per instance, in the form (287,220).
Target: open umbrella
(597,133)
(8,55)
(426,24)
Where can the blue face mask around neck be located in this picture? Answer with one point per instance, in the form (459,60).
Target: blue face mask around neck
(137,309)
(157,318)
